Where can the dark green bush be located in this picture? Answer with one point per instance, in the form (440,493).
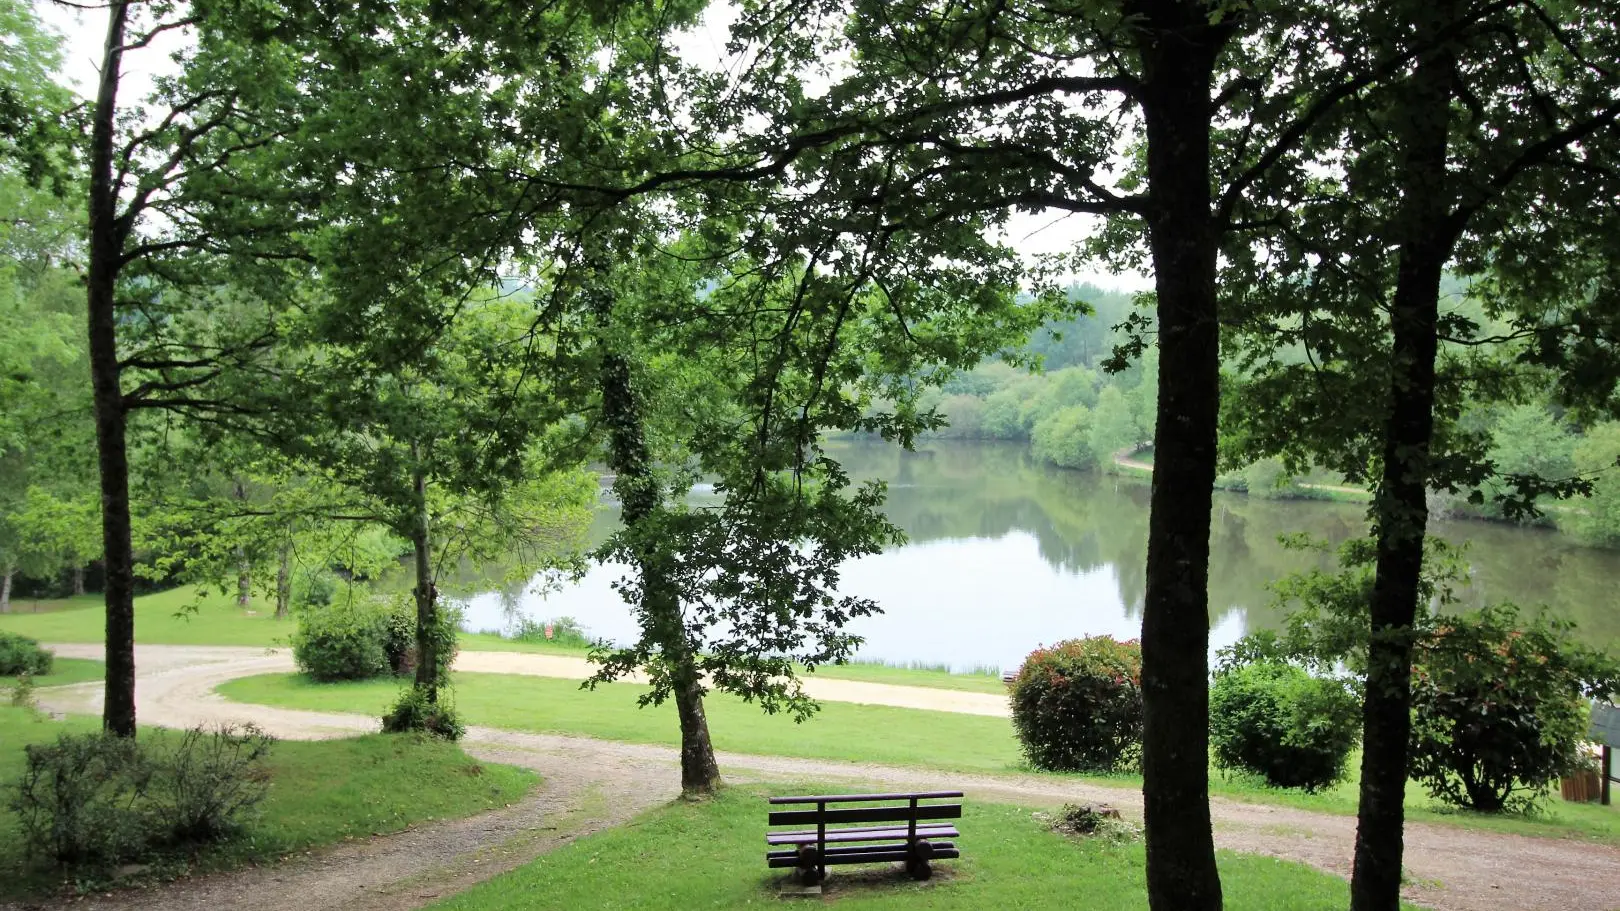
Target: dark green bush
(414,713)
(346,640)
(1077,706)
(1276,720)
(1499,707)
(79,800)
(93,800)
(21,656)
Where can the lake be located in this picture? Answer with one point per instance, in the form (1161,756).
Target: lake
(1005,555)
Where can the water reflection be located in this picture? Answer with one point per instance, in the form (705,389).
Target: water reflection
(1005,554)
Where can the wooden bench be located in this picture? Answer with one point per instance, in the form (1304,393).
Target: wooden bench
(909,833)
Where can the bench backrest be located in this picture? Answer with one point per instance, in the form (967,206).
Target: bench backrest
(912,810)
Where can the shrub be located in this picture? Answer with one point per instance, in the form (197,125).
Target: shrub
(1063,438)
(559,631)
(343,641)
(413,712)
(203,785)
(1077,706)
(399,634)
(1276,720)
(21,656)
(1499,708)
(79,799)
(95,799)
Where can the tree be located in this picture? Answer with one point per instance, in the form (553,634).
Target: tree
(446,449)
(170,218)
(1113,429)
(957,109)
(1447,158)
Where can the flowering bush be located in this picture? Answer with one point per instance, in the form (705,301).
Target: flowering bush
(1077,705)
(1499,708)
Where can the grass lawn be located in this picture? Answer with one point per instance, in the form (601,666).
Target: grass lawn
(844,731)
(65,671)
(320,792)
(906,676)
(710,855)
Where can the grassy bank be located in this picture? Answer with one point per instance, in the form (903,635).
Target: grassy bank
(710,855)
(856,733)
(320,792)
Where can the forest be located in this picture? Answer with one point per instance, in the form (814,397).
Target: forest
(295,291)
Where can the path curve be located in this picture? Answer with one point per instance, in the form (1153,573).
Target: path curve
(154,658)
(1449,868)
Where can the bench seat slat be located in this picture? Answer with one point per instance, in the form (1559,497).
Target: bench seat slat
(870,833)
(863,856)
(839,815)
(854,798)
(847,850)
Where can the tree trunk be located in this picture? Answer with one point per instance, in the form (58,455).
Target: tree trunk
(1421,120)
(5,591)
(284,580)
(244,566)
(639,497)
(107,232)
(1178,52)
(427,596)
(78,580)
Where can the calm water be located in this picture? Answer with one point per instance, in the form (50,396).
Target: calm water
(1005,555)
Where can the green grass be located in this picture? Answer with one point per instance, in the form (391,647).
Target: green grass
(183,616)
(844,731)
(909,676)
(166,618)
(320,792)
(68,670)
(840,731)
(709,854)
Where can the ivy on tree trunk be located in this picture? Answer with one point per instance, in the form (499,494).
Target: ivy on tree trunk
(639,493)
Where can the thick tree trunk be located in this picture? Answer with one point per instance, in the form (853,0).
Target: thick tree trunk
(638,491)
(1421,121)
(284,580)
(78,580)
(5,591)
(106,255)
(427,596)
(1179,48)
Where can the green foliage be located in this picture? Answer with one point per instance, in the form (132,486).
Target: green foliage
(1499,707)
(417,712)
(1077,705)
(1113,428)
(91,800)
(564,631)
(1596,519)
(1063,438)
(346,640)
(21,656)
(1274,719)
(1268,479)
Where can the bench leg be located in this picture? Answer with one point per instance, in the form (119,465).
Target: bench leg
(917,865)
(809,865)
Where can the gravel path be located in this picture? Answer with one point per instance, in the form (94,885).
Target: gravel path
(592,783)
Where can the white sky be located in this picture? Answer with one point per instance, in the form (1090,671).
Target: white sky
(1046,233)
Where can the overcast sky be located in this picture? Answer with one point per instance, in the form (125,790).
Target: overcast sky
(85,30)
